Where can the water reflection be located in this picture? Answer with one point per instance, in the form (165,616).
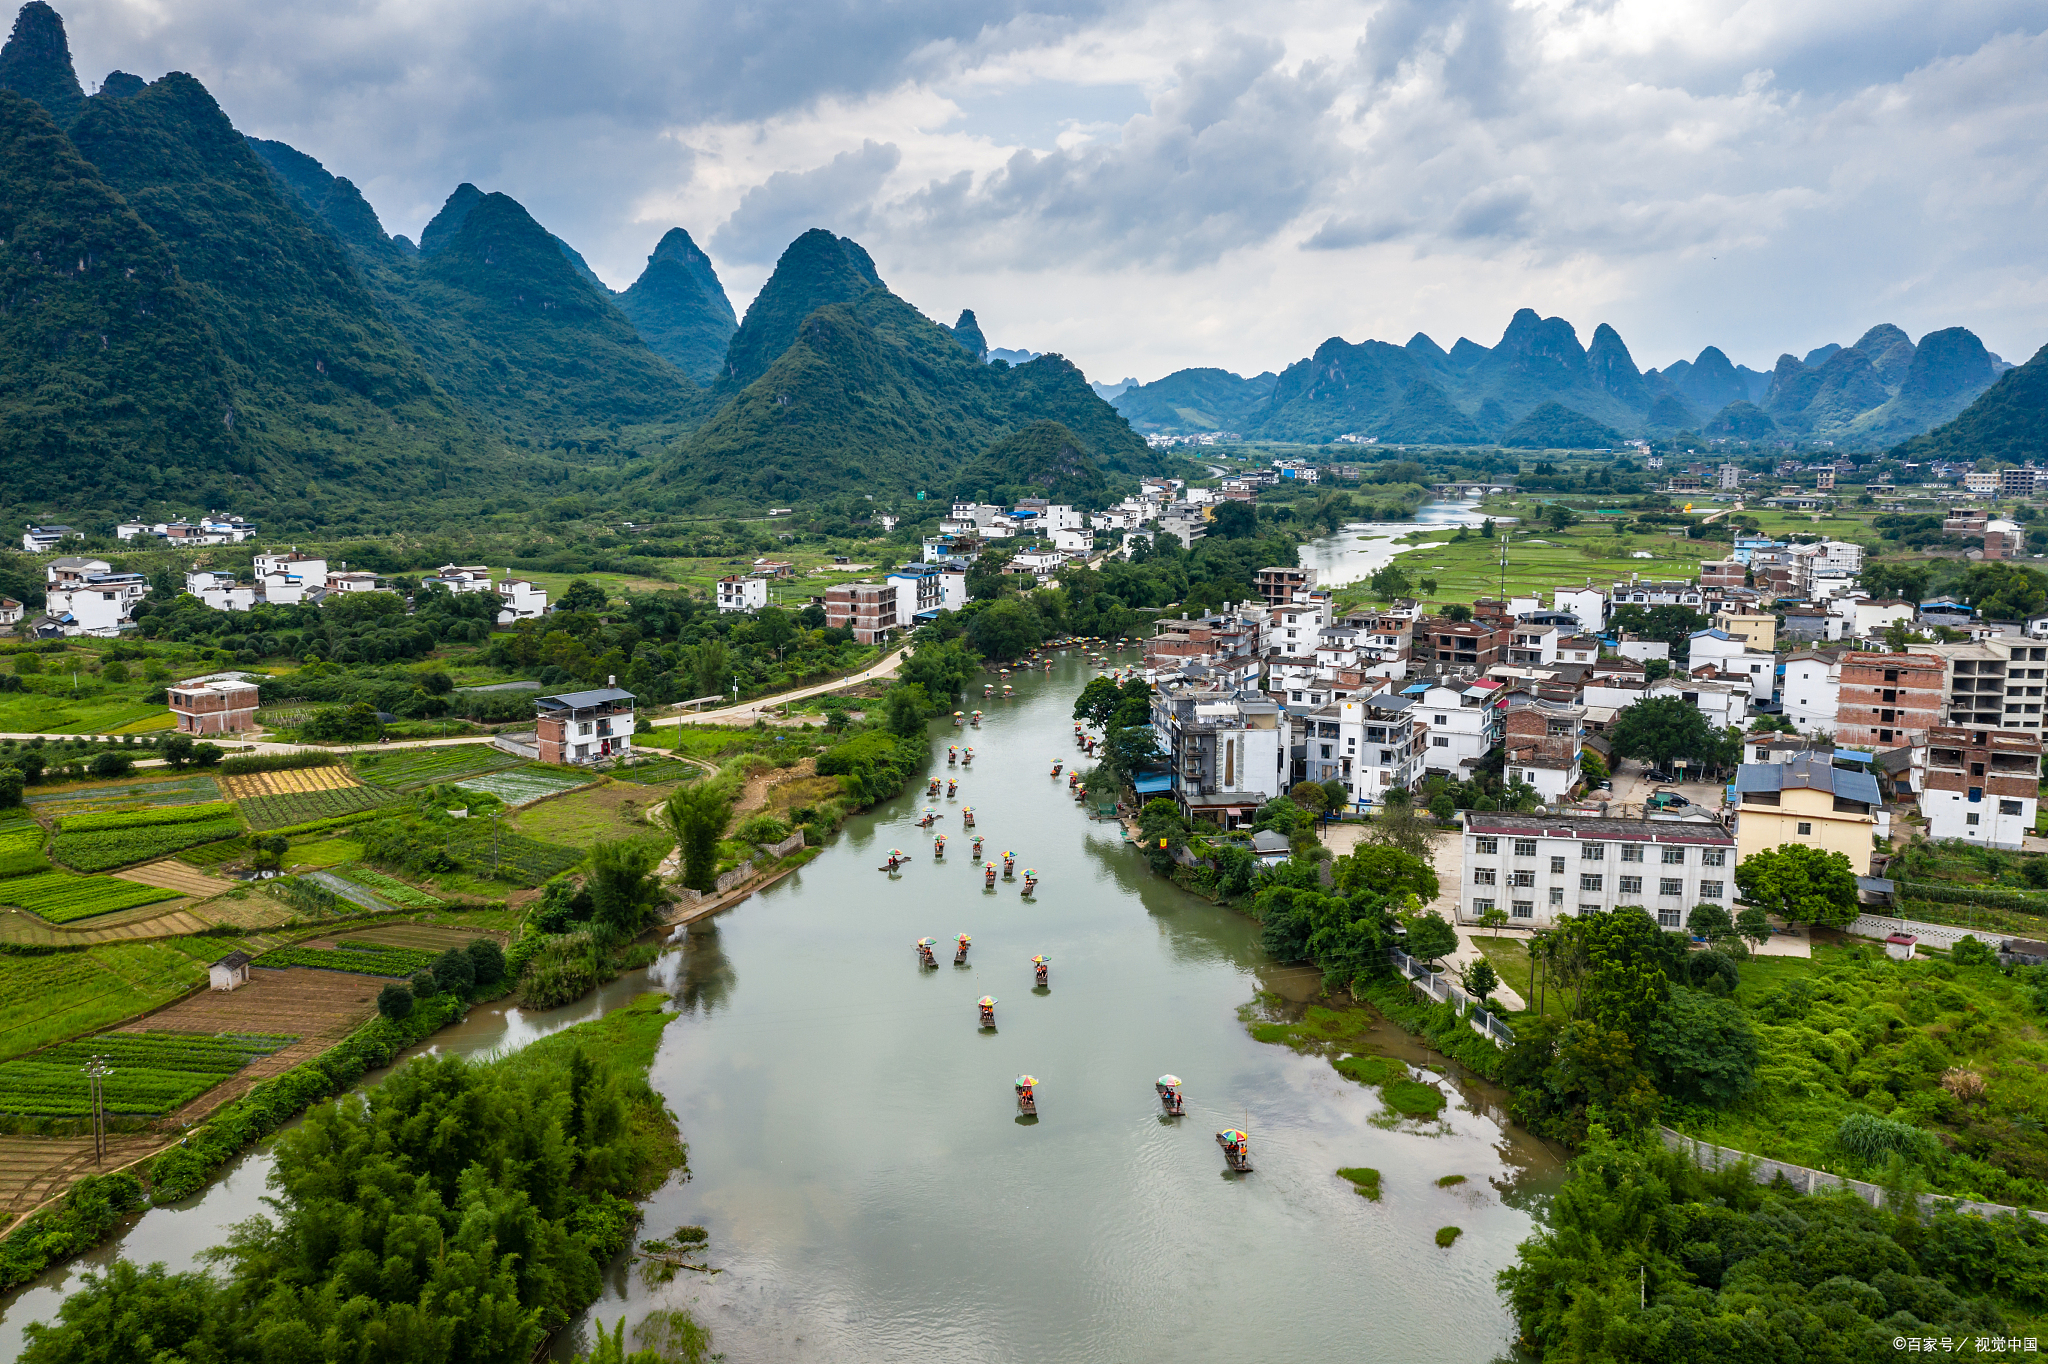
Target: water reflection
(700,977)
(1356,551)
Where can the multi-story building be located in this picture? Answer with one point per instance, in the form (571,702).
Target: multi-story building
(43,539)
(1382,747)
(1995,682)
(1889,699)
(1810,691)
(1639,592)
(523,600)
(222,704)
(1228,643)
(1982,482)
(1226,749)
(1278,585)
(1543,742)
(1730,478)
(99,604)
(11,612)
(1587,605)
(742,592)
(1459,724)
(2017,482)
(1723,573)
(1442,645)
(585,726)
(1723,702)
(866,608)
(1808,801)
(1734,658)
(1981,785)
(1532,646)
(923,591)
(1756,629)
(1541,870)
(1838,559)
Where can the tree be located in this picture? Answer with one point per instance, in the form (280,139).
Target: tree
(394,1001)
(1005,628)
(1335,796)
(1592,767)
(1479,979)
(1390,582)
(112,764)
(177,750)
(1310,796)
(1701,1049)
(1385,870)
(942,668)
(208,755)
(1625,955)
(1430,938)
(696,817)
(1495,919)
(581,595)
(1234,521)
(1457,611)
(1560,517)
(1097,701)
(624,891)
(453,970)
(1753,925)
(1427,586)
(1801,884)
(1709,922)
(1662,729)
(488,959)
(1130,750)
(905,706)
(774,628)
(1443,806)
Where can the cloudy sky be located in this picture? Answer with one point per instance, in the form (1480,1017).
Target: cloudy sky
(1147,186)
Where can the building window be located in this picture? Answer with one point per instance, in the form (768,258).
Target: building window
(1710,890)
(2008,807)
(1482,906)
(1484,876)
(1556,866)
(1590,882)
(1674,857)
(1631,852)
(1667,918)
(1713,857)
(1485,846)
(1805,829)
(1440,741)
(1525,847)
(1525,909)
(1592,852)
(1556,896)
(1631,885)
(1670,885)
(1521,878)
(1970,819)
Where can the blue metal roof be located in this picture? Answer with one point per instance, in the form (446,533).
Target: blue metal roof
(1808,772)
(1153,783)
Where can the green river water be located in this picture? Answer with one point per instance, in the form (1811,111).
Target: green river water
(857,1156)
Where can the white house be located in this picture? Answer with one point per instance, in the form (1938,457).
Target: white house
(11,611)
(43,539)
(458,577)
(737,593)
(1643,650)
(230,972)
(200,581)
(1723,703)
(922,590)
(287,578)
(1838,559)
(351,581)
(523,601)
(1459,725)
(1073,541)
(1541,870)
(1588,604)
(1811,691)
(98,604)
(1735,658)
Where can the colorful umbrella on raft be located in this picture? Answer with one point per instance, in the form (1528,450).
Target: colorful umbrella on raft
(1170,1081)
(1027,1081)
(964,940)
(1233,1136)
(988,1001)
(1040,961)
(927,942)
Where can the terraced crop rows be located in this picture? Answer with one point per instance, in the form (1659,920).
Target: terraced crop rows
(521,787)
(513,857)
(424,766)
(103,850)
(289,782)
(151,1072)
(391,888)
(61,897)
(304,807)
(357,957)
(147,817)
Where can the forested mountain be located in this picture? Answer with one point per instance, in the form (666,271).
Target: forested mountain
(2008,421)
(1419,393)
(36,63)
(867,392)
(680,309)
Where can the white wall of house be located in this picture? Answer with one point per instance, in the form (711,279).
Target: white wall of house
(1812,693)
(1723,703)
(1539,879)
(523,601)
(742,594)
(1456,731)
(1589,604)
(1991,822)
(1643,650)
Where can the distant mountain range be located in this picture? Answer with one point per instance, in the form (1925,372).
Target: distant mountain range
(1538,383)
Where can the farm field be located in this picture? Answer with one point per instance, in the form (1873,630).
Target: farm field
(46,999)
(390,888)
(171,874)
(35,713)
(291,781)
(61,897)
(409,768)
(661,772)
(35,1169)
(509,855)
(435,938)
(356,955)
(283,811)
(324,852)
(163,919)
(611,810)
(145,817)
(1538,561)
(169,789)
(521,786)
(105,849)
(151,1072)
(319,1007)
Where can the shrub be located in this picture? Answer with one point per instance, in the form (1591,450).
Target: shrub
(1872,1139)
(455,970)
(394,1001)
(1446,1235)
(112,764)
(487,959)
(1365,1180)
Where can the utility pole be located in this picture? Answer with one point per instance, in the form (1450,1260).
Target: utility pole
(96,1073)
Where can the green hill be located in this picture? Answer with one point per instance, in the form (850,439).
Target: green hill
(1425,416)
(317,381)
(680,309)
(1553,426)
(872,396)
(1196,400)
(967,332)
(1043,459)
(36,63)
(111,383)
(1741,420)
(815,270)
(2008,421)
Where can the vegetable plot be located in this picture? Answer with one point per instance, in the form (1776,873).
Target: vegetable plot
(512,857)
(304,807)
(148,817)
(391,888)
(361,958)
(425,766)
(522,786)
(60,897)
(105,850)
(151,1072)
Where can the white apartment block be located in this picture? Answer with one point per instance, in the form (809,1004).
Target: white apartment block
(1736,659)
(737,593)
(1723,703)
(1459,727)
(1588,604)
(1541,870)
(1838,559)
(523,601)
(1811,693)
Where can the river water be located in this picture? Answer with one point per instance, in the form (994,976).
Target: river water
(1357,550)
(858,1160)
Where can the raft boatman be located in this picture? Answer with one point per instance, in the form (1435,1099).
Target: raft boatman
(1168,1087)
(1042,966)
(924,951)
(988,877)
(967,822)
(952,754)
(952,787)
(939,846)
(1009,864)
(977,846)
(1030,882)
(960,950)
(1237,1148)
(1027,1094)
(988,1011)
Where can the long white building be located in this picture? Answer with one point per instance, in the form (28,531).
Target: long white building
(1540,870)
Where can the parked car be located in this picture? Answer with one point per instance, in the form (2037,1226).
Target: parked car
(1654,775)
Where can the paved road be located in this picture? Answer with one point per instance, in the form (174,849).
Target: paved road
(751,711)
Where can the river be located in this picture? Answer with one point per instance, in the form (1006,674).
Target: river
(1358,549)
(857,1157)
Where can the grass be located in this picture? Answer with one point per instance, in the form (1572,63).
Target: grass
(149,1072)
(34,713)
(611,810)
(1450,1181)
(409,768)
(48,998)
(1510,958)
(325,852)
(1366,1181)
(1446,1235)
(1412,1098)
(107,849)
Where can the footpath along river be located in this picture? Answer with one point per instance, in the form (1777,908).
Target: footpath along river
(855,1148)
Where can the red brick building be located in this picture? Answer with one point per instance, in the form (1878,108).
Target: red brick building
(584,726)
(867,609)
(214,705)
(1888,700)
(1440,645)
